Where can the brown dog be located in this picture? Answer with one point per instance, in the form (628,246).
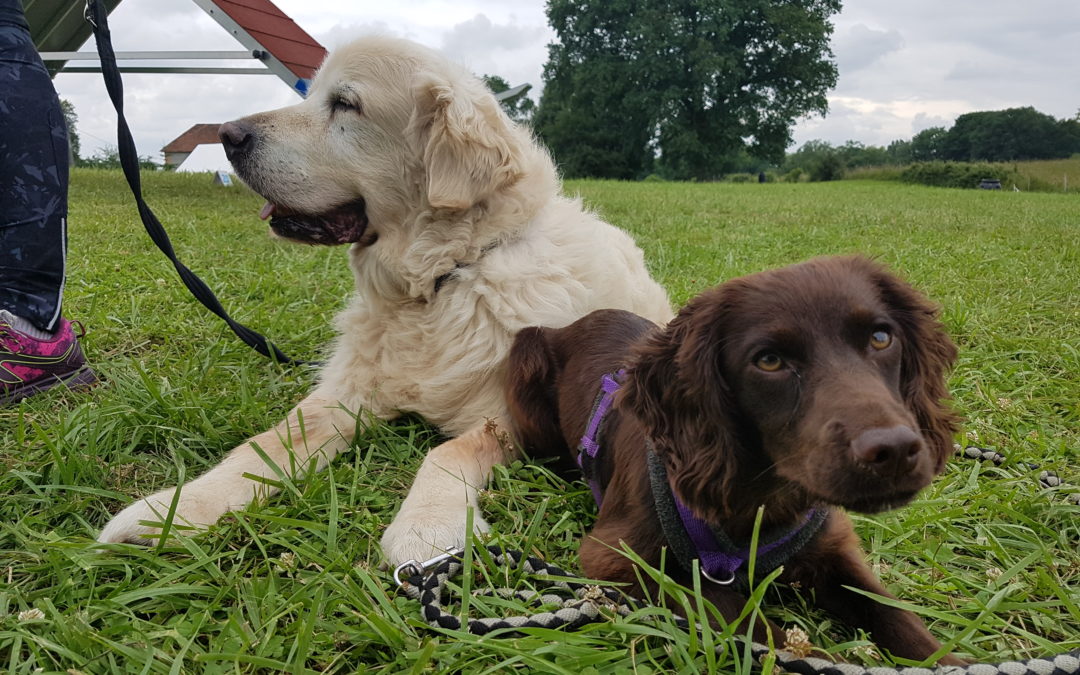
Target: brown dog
(801,389)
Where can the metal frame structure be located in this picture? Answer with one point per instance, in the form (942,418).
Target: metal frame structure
(269,36)
(164,56)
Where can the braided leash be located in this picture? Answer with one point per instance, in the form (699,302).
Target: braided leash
(1048,478)
(587,604)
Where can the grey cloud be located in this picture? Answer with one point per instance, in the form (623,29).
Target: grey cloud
(988,70)
(513,51)
(922,122)
(480,35)
(860,46)
(344,33)
(844,123)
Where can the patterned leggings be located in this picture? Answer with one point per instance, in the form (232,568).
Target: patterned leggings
(33,180)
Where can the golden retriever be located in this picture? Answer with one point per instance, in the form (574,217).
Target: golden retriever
(458,239)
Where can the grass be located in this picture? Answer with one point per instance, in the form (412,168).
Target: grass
(988,558)
(1051,175)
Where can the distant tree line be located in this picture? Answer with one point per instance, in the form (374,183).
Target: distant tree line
(1010,135)
(999,136)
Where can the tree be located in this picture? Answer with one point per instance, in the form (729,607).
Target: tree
(595,114)
(818,159)
(518,107)
(71,120)
(1070,130)
(928,145)
(108,157)
(691,83)
(854,154)
(831,167)
(899,152)
(1007,135)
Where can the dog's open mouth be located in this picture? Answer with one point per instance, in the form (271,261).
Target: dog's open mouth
(345,224)
(879,502)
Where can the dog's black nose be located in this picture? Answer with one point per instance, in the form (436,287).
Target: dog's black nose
(888,451)
(237,139)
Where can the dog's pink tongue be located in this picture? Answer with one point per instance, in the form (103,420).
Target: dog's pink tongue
(267,211)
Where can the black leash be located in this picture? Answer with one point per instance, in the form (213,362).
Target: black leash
(97,15)
(581,603)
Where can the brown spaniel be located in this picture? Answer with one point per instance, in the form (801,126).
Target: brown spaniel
(805,390)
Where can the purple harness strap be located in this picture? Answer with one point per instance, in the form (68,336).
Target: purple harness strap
(590,442)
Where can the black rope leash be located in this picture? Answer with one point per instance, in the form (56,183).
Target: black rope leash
(581,603)
(1048,478)
(427,582)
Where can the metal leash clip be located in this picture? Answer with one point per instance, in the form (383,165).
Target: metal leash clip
(413,568)
(88,13)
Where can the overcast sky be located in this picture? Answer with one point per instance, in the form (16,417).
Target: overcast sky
(904,66)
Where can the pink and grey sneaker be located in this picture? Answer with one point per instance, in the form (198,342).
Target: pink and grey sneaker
(29,365)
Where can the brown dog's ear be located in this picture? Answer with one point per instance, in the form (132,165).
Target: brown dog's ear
(532,397)
(676,388)
(928,355)
(465,140)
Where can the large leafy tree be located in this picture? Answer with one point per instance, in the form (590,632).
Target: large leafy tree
(689,83)
(595,114)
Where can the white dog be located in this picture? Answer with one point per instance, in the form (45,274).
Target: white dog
(459,237)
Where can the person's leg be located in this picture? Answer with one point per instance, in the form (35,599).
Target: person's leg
(33,192)
(38,348)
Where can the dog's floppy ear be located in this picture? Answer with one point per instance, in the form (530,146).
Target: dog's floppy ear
(531,395)
(928,355)
(465,139)
(676,388)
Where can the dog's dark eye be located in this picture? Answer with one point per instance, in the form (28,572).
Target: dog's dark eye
(769,362)
(880,339)
(342,105)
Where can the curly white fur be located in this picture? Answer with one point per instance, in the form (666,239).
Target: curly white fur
(450,183)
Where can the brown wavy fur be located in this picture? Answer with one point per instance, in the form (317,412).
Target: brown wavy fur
(735,437)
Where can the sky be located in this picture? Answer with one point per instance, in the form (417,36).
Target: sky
(904,66)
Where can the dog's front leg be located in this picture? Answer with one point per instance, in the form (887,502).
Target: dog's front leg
(433,516)
(315,431)
(841,563)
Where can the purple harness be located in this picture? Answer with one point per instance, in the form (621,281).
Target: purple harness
(721,561)
(590,442)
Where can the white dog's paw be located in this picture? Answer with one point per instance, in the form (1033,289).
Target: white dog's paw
(140,522)
(421,533)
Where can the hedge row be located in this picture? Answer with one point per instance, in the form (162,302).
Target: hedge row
(957,174)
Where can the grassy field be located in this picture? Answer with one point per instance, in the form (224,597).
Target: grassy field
(1051,175)
(986,555)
